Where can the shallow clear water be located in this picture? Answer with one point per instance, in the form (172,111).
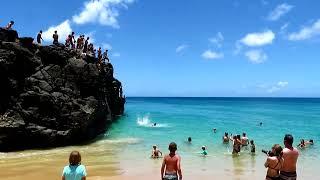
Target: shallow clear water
(125,149)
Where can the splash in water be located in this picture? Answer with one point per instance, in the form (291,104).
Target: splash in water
(145,121)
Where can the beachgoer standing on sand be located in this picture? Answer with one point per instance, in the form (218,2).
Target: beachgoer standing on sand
(55,37)
(39,37)
(290,156)
(274,163)
(171,168)
(155,152)
(74,171)
(225,138)
(9,25)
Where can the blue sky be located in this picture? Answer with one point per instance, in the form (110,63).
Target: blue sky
(191,48)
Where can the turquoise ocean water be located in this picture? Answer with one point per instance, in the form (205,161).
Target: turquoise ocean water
(179,118)
(123,152)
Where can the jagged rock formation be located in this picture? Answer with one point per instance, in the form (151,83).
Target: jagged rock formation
(49,96)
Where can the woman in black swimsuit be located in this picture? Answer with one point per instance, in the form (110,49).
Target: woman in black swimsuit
(274,163)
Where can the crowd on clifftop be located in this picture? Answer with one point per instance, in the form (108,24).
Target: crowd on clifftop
(81,44)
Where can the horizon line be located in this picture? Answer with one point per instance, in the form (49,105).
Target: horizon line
(296,97)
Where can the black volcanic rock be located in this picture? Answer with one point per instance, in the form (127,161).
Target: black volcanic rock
(8,35)
(50,97)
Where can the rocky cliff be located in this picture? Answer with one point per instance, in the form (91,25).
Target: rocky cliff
(50,96)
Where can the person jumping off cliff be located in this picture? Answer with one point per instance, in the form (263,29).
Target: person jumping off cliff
(39,37)
(55,37)
(9,26)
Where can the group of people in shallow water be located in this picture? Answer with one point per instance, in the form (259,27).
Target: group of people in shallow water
(82,44)
(280,162)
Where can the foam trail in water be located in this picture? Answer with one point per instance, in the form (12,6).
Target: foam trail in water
(146,122)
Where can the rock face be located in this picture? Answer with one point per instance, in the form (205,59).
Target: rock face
(50,97)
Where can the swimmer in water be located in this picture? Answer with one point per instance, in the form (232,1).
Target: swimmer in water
(225,138)
(189,140)
(155,152)
(214,130)
(154,124)
(204,151)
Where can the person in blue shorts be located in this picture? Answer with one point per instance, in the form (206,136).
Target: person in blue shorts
(75,170)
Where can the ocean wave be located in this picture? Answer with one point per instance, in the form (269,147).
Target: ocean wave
(145,121)
(120,141)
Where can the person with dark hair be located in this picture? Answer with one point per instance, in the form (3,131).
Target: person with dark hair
(253,146)
(290,156)
(9,25)
(302,144)
(105,57)
(189,140)
(236,144)
(155,152)
(74,171)
(305,143)
(72,40)
(225,138)
(39,37)
(204,151)
(171,168)
(99,55)
(55,37)
(244,140)
(85,47)
(274,162)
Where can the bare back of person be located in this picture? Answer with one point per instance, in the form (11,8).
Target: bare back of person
(290,157)
(171,161)
(274,165)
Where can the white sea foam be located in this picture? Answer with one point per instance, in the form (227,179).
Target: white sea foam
(145,121)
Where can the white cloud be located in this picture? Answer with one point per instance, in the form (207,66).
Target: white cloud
(306,32)
(217,40)
(258,39)
(209,54)
(181,48)
(63,30)
(279,11)
(256,56)
(282,83)
(104,12)
(273,87)
(277,87)
(116,54)
(106,46)
(283,28)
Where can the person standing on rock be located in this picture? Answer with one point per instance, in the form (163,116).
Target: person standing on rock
(99,55)
(105,57)
(72,40)
(85,47)
(55,37)
(74,171)
(39,37)
(9,26)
